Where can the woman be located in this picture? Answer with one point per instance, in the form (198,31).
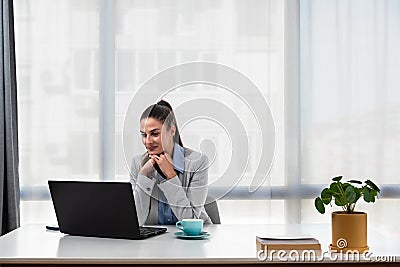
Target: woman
(169,180)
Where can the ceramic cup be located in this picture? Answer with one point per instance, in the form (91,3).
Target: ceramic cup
(190,226)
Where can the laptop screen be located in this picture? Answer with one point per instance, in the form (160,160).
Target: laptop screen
(99,209)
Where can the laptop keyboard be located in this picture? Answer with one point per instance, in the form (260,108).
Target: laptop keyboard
(151,231)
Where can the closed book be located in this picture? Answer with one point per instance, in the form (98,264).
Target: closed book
(300,244)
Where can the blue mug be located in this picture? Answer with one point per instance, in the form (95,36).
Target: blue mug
(191,227)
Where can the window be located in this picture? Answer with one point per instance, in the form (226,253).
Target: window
(80,63)
(60,58)
(350,99)
(57,74)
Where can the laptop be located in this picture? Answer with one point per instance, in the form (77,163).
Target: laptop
(98,209)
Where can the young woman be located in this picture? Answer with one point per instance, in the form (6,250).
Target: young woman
(169,180)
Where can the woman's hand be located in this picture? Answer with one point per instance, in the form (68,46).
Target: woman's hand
(164,161)
(147,168)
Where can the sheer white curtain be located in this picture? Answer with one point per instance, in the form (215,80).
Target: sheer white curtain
(350,97)
(58,98)
(245,35)
(347,94)
(61,51)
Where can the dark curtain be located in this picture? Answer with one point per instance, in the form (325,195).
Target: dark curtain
(9,160)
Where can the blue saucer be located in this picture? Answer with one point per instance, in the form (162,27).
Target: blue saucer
(202,235)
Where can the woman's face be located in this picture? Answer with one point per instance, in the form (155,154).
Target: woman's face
(155,137)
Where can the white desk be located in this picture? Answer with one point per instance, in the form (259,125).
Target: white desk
(228,244)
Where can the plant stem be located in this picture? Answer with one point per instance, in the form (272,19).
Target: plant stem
(352,207)
(343,199)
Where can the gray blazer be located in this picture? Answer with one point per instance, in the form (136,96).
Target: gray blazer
(186,192)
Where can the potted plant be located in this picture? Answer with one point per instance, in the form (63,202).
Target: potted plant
(349,227)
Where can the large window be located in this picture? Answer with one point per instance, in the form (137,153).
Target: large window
(57,52)
(80,63)
(350,98)
(63,59)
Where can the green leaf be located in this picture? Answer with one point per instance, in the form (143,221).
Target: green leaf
(346,194)
(358,194)
(319,205)
(372,185)
(345,186)
(337,179)
(335,188)
(355,181)
(339,201)
(326,196)
(350,194)
(368,197)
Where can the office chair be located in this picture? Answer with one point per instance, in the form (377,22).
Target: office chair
(211,208)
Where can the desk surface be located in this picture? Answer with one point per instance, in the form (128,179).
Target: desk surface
(227,244)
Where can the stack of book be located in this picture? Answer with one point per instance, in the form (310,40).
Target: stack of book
(288,246)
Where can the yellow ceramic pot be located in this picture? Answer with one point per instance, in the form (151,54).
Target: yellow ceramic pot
(349,232)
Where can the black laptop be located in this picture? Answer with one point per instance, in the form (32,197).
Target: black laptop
(98,209)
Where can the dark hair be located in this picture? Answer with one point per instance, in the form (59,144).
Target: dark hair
(162,111)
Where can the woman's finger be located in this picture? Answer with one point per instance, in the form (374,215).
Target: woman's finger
(153,157)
